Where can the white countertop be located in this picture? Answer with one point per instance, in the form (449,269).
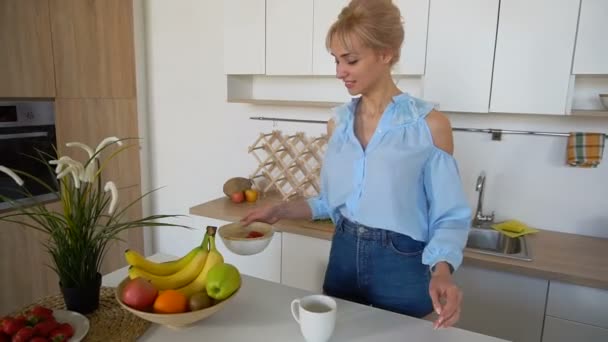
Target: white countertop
(261,312)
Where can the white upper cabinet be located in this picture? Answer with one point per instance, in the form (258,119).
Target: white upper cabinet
(244,36)
(591,56)
(289,37)
(325,14)
(533,58)
(460,54)
(415,15)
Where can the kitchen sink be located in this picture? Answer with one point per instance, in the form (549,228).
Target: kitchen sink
(492,242)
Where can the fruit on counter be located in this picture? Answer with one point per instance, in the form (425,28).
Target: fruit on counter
(37,324)
(236,184)
(222,281)
(170,301)
(133,258)
(251,195)
(237,197)
(214,258)
(180,278)
(199,300)
(254,234)
(139,294)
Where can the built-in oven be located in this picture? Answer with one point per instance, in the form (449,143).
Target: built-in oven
(27,133)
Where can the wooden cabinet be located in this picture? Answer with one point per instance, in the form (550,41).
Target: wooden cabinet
(559,330)
(304,261)
(289,37)
(533,58)
(325,14)
(460,54)
(90,121)
(591,53)
(415,15)
(504,305)
(93,48)
(244,37)
(265,265)
(26,59)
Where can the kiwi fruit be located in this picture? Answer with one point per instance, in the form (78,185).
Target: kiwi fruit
(200,300)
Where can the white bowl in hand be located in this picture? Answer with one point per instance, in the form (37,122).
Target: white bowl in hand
(242,240)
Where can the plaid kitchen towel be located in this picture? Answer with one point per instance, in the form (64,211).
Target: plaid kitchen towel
(585,149)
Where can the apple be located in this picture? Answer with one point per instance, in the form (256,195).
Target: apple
(139,294)
(251,195)
(237,197)
(222,280)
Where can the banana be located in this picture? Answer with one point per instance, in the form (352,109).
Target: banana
(178,279)
(214,258)
(159,268)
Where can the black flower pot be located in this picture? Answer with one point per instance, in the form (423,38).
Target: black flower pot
(82,299)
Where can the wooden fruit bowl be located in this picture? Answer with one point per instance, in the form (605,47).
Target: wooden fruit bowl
(177,320)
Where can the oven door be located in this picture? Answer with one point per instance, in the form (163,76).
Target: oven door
(20,148)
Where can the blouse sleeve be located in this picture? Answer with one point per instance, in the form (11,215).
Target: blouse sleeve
(449,212)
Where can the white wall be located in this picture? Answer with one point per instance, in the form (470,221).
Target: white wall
(197,140)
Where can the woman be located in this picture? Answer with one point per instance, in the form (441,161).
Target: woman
(389,182)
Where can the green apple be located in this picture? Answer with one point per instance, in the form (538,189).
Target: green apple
(222,280)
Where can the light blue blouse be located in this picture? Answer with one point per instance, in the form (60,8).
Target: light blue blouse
(401,182)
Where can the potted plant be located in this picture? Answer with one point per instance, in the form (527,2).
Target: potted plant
(89,219)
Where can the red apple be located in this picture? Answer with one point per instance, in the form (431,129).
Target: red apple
(237,197)
(139,294)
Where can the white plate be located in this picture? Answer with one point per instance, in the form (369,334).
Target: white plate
(79,322)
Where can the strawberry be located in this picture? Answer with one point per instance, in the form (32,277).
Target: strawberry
(44,328)
(4,337)
(57,336)
(66,329)
(10,326)
(42,311)
(39,339)
(24,335)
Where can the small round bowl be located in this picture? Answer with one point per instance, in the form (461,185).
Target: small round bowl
(177,320)
(604,100)
(234,236)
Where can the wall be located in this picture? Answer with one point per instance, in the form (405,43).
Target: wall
(197,140)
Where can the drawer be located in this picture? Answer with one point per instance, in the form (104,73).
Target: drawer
(578,303)
(559,330)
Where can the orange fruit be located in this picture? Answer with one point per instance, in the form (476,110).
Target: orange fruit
(170,301)
(251,195)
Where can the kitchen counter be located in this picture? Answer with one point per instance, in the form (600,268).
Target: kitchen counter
(570,258)
(261,312)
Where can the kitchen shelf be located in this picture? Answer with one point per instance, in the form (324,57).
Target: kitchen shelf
(591,113)
(260,102)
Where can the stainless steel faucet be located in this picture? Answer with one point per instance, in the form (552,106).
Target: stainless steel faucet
(480,218)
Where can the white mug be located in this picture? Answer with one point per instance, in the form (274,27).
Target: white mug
(316,315)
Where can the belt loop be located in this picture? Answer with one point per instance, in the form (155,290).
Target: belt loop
(384,238)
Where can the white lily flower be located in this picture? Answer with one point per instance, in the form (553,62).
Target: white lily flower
(110,186)
(89,172)
(61,162)
(85,147)
(107,141)
(76,170)
(12,174)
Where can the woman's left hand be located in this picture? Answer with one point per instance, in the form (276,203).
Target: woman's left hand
(443,289)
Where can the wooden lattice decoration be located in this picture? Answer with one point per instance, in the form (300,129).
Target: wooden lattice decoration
(289,164)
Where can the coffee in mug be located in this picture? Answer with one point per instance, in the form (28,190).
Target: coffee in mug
(316,315)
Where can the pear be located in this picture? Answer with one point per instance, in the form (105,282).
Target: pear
(199,300)
(222,281)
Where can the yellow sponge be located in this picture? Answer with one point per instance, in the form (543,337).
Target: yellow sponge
(514,228)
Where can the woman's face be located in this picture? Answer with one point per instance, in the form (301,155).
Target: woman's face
(360,68)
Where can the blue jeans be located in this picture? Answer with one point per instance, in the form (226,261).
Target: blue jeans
(378,267)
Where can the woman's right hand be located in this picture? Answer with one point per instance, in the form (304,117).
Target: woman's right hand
(268,214)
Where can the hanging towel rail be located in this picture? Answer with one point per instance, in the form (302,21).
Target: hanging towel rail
(496,133)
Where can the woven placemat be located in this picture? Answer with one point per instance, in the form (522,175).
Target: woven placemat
(110,322)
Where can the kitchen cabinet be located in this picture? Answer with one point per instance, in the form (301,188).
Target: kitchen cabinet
(289,37)
(533,56)
(460,51)
(265,265)
(93,48)
(578,304)
(244,37)
(90,121)
(304,261)
(504,305)
(325,14)
(559,330)
(591,53)
(415,15)
(26,59)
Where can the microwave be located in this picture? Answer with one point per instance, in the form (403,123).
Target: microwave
(27,133)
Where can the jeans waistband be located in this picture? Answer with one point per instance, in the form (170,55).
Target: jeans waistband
(361,230)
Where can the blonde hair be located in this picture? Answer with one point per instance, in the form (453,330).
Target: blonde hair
(376,23)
